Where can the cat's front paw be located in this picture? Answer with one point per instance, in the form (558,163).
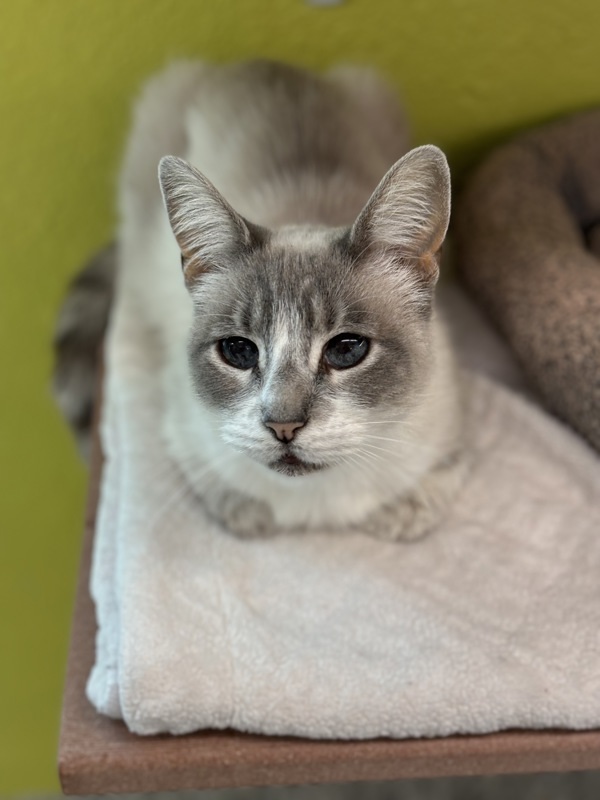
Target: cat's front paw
(406,520)
(246,518)
(418,512)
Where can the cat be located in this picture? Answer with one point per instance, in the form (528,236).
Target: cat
(290,274)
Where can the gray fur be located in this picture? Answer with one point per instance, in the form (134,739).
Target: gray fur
(288,239)
(265,288)
(80,329)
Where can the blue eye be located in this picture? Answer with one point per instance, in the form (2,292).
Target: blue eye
(239,352)
(345,350)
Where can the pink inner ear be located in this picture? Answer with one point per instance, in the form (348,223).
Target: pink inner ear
(193,269)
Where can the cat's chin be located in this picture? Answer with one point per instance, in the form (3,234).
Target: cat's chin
(294,467)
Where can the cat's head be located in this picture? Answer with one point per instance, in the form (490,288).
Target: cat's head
(304,337)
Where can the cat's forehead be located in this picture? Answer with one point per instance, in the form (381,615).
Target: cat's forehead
(298,274)
(302,262)
(303,280)
(301,286)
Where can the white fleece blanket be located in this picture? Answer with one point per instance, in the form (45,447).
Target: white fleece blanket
(493,621)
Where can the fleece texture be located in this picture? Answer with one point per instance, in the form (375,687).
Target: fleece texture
(490,622)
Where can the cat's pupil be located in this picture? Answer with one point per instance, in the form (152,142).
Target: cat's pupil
(346,350)
(239,352)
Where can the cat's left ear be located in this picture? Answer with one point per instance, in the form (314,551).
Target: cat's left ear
(407,217)
(208,230)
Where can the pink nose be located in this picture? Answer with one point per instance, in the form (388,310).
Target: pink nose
(284,431)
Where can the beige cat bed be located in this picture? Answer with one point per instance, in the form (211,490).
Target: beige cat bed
(528,236)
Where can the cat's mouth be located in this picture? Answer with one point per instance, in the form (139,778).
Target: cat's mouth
(291,465)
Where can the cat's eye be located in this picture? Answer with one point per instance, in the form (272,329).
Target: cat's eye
(345,350)
(239,352)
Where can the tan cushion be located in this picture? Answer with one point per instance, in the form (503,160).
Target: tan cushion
(528,246)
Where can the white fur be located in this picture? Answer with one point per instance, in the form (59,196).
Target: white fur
(169,119)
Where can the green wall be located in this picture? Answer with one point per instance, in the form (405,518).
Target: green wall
(471,71)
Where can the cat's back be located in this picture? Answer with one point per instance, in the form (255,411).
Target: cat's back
(263,123)
(261,126)
(293,118)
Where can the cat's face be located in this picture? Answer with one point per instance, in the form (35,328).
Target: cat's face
(299,352)
(307,342)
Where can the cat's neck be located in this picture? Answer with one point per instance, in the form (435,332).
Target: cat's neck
(298,195)
(308,199)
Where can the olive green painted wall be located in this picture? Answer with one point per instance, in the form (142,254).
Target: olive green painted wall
(470,70)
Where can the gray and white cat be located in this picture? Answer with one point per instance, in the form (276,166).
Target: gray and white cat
(308,381)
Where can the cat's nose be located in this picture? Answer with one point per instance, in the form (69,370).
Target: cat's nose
(284,431)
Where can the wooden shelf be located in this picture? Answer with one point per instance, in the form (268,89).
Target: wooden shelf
(98,755)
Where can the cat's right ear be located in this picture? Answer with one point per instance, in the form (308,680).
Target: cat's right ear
(208,230)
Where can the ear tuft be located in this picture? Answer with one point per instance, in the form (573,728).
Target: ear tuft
(407,217)
(206,227)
